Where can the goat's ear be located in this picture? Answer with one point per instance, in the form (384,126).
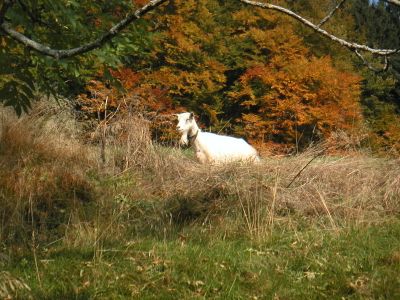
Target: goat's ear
(191,116)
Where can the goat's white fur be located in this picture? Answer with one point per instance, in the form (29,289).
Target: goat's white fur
(211,147)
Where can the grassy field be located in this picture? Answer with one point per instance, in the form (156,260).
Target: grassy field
(357,263)
(134,220)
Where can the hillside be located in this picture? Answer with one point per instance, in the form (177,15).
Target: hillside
(151,223)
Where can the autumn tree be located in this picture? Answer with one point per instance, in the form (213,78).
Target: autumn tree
(55,47)
(61,30)
(281,71)
(292,97)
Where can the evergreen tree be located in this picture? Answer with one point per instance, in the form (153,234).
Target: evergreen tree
(380,25)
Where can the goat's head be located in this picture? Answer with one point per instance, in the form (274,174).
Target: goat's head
(186,123)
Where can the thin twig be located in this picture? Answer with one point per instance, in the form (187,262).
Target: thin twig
(31,15)
(394,2)
(4,8)
(34,242)
(302,169)
(272,209)
(223,127)
(369,66)
(331,13)
(327,210)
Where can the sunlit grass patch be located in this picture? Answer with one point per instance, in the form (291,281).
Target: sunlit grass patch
(311,264)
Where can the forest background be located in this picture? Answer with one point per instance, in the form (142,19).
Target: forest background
(243,70)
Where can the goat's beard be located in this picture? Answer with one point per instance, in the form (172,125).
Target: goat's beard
(184,139)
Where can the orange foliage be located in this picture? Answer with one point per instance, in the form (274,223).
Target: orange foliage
(286,96)
(386,134)
(295,103)
(140,2)
(135,96)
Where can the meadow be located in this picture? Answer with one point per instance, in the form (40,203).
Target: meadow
(105,213)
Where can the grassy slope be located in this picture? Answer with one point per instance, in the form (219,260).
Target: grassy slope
(354,263)
(152,224)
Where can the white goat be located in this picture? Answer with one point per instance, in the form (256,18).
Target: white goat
(210,147)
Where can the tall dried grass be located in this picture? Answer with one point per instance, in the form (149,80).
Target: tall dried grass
(325,190)
(139,186)
(43,171)
(11,286)
(331,191)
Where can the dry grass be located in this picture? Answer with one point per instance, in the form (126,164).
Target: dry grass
(10,285)
(43,171)
(331,192)
(141,185)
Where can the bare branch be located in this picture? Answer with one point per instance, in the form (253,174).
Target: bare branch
(3,9)
(64,53)
(302,169)
(331,13)
(350,45)
(369,66)
(31,15)
(394,2)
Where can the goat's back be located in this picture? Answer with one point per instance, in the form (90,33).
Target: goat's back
(222,147)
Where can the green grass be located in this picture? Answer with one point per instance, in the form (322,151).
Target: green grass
(151,223)
(354,263)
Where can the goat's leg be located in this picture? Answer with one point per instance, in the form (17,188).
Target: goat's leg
(201,157)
